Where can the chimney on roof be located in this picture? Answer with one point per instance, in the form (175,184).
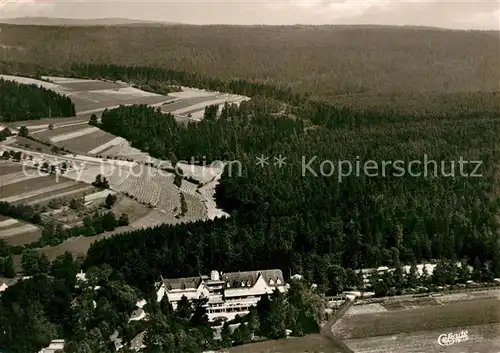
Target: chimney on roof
(214,276)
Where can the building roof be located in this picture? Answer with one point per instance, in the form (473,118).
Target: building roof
(231,280)
(248,278)
(182,283)
(137,315)
(137,342)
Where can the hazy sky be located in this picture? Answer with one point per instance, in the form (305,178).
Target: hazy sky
(483,14)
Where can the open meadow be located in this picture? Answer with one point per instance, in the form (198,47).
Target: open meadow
(415,326)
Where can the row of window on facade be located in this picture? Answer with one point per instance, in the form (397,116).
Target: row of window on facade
(229,310)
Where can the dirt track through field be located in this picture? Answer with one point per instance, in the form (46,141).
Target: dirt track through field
(327,332)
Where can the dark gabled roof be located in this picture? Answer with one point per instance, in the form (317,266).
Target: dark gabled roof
(231,279)
(250,277)
(182,283)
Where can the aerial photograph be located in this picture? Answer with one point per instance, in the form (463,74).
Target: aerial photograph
(249,176)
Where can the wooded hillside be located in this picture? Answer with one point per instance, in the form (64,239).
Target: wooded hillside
(390,68)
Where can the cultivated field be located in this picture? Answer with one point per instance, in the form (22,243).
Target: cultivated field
(192,102)
(16,232)
(93,96)
(146,194)
(414,326)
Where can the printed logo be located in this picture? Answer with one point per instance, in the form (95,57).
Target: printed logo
(449,339)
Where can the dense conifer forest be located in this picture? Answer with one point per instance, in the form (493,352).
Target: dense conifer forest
(309,223)
(28,102)
(388,68)
(408,95)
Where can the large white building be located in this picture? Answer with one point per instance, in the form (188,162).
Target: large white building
(229,294)
(54,347)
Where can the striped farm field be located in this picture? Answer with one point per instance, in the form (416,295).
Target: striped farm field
(34,186)
(44,123)
(46,134)
(20,233)
(199,106)
(18,177)
(184,103)
(188,187)
(196,210)
(96,100)
(7,222)
(87,142)
(16,229)
(76,133)
(68,192)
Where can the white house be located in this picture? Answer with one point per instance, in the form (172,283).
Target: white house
(229,294)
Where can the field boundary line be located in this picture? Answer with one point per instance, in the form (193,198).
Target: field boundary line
(327,329)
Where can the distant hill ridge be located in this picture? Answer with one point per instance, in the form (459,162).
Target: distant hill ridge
(46,21)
